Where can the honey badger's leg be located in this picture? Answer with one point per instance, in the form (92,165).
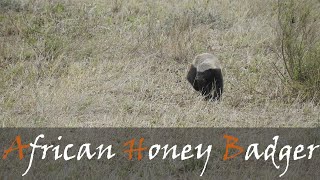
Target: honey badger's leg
(191,77)
(206,91)
(218,83)
(215,80)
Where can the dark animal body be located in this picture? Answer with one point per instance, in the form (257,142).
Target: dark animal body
(205,75)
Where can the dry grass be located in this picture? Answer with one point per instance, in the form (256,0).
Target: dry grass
(123,64)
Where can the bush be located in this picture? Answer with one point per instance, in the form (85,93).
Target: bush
(299,46)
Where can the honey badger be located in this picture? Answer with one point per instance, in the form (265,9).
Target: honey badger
(205,75)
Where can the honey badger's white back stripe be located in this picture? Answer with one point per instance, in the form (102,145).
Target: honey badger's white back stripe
(206,61)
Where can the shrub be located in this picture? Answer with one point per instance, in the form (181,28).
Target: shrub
(299,46)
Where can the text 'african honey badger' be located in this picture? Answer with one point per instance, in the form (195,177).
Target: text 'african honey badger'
(87,151)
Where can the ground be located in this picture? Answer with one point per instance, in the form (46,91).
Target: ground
(69,63)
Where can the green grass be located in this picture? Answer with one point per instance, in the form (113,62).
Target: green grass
(123,64)
(299,46)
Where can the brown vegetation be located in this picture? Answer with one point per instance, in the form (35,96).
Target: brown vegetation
(123,63)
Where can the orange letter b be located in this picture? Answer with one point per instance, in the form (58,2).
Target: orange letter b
(231,145)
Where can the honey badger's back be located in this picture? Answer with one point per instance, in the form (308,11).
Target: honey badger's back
(206,61)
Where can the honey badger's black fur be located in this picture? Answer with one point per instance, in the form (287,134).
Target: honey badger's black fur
(205,75)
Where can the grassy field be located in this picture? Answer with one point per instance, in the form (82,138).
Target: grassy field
(117,63)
